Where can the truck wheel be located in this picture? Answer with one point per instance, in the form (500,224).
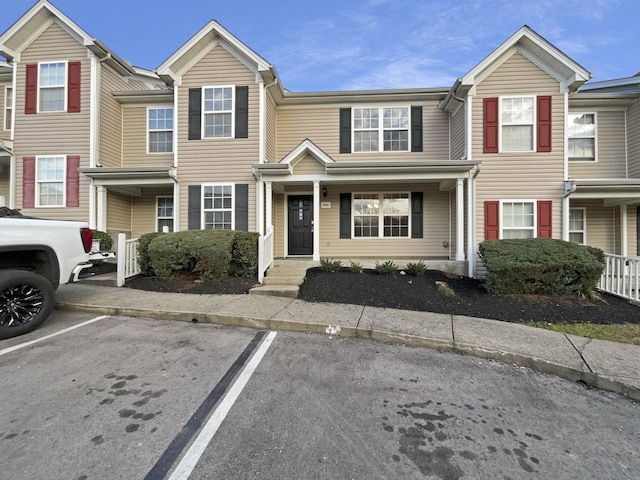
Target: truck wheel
(26,301)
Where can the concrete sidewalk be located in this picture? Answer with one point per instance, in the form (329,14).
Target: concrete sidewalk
(605,365)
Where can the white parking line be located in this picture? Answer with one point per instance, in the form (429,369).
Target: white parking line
(190,459)
(47,337)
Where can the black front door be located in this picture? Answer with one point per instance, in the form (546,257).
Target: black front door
(301,225)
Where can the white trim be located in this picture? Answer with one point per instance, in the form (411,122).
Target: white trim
(233,203)
(381,215)
(172,218)
(381,129)
(175,128)
(204,113)
(534,124)
(94,134)
(304,148)
(65,85)
(176,207)
(316,221)
(624,230)
(12,182)
(519,200)
(164,106)
(595,135)
(64,181)
(8,107)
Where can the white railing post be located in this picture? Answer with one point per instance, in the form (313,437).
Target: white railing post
(621,276)
(122,254)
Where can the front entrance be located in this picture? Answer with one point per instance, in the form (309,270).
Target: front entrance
(300,209)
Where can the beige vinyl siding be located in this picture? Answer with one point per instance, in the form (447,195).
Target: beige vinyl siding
(610,158)
(601,223)
(110,118)
(633,123)
(53,133)
(3,95)
(218,160)
(436,225)
(321,125)
(119,208)
(519,176)
(135,139)
(308,166)
(271,131)
(144,213)
(632,231)
(457,133)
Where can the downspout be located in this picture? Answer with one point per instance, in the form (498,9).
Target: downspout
(260,227)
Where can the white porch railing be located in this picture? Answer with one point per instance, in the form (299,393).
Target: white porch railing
(127,259)
(621,276)
(265,252)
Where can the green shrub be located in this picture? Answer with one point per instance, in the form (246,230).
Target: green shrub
(330,265)
(541,266)
(417,269)
(387,268)
(356,267)
(144,261)
(206,253)
(244,254)
(106,242)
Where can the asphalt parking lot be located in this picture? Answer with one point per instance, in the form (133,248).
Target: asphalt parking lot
(127,398)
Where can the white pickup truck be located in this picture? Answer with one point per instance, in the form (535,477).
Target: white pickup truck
(36,256)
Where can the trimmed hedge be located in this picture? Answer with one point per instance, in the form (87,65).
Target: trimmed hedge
(106,242)
(541,266)
(208,253)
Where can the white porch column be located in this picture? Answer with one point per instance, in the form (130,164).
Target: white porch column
(260,207)
(565,218)
(176,207)
(624,233)
(460,219)
(12,181)
(102,209)
(269,204)
(316,221)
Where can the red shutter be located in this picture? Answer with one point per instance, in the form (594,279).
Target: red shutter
(28,182)
(491,220)
(31,89)
(73,88)
(490,125)
(544,219)
(73,181)
(544,123)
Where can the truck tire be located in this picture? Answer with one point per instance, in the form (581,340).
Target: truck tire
(26,301)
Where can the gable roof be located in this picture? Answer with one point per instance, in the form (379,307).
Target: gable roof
(535,48)
(38,18)
(205,40)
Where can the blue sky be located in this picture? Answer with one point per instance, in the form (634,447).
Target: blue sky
(370,44)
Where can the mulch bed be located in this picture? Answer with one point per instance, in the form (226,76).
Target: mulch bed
(434,292)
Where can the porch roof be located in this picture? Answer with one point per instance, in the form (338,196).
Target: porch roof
(615,191)
(130,180)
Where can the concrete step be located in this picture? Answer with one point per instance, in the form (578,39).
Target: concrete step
(294,263)
(282,280)
(286,272)
(290,291)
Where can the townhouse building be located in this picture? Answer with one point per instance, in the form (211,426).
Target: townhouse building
(523,145)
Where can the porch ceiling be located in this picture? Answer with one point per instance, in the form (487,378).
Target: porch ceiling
(133,176)
(612,191)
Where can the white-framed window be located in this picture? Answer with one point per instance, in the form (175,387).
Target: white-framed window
(578,225)
(381,215)
(8,107)
(518,219)
(217,202)
(517,124)
(581,129)
(52,87)
(381,129)
(218,113)
(160,129)
(164,213)
(50,181)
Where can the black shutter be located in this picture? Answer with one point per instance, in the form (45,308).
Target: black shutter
(194,210)
(345,215)
(242,112)
(345,130)
(416,129)
(195,113)
(416,214)
(242,206)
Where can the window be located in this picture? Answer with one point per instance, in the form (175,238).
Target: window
(52,87)
(218,112)
(8,107)
(50,186)
(218,206)
(581,129)
(517,120)
(518,220)
(371,210)
(160,125)
(577,225)
(381,129)
(164,213)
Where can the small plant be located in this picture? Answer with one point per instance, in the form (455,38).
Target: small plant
(387,268)
(417,269)
(330,265)
(356,267)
